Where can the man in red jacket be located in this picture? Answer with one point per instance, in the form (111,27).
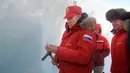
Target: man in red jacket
(119,47)
(102,50)
(75,54)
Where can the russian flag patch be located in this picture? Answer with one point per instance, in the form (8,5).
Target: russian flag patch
(87,37)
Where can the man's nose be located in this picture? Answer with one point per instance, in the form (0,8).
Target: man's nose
(68,21)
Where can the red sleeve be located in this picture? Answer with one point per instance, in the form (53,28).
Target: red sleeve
(106,48)
(81,56)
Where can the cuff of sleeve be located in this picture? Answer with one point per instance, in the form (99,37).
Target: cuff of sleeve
(59,52)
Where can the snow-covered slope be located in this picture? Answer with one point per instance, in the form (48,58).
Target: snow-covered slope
(25,26)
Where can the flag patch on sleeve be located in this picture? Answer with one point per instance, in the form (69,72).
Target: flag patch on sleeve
(87,37)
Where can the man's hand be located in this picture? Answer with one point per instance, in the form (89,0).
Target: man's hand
(51,48)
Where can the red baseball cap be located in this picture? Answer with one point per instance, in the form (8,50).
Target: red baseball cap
(73,10)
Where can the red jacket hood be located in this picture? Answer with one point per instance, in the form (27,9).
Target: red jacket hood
(98,26)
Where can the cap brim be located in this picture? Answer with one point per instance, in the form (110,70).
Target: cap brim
(69,15)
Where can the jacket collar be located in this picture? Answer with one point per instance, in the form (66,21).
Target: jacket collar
(76,27)
(118,30)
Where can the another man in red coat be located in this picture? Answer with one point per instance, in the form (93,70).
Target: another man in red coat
(102,50)
(119,46)
(75,54)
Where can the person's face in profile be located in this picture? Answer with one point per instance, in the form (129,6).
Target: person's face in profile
(117,23)
(73,20)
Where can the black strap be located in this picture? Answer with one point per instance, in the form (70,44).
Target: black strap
(129,35)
